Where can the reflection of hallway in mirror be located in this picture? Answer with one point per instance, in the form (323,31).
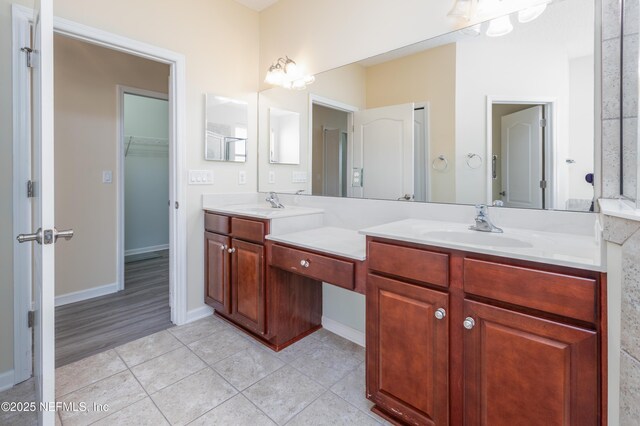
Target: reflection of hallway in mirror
(330,146)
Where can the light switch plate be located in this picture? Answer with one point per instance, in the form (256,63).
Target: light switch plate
(272,177)
(298,177)
(242,177)
(200,177)
(107,176)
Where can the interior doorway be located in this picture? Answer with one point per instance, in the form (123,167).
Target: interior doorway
(112,187)
(521,171)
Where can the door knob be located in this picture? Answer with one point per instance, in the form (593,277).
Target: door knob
(440,313)
(36,236)
(67,234)
(469,323)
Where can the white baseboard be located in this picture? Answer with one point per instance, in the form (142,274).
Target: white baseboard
(199,313)
(78,296)
(356,336)
(6,380)
(146,249)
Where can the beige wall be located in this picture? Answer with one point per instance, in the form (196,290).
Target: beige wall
(86,79)
(428,76)
(220,41)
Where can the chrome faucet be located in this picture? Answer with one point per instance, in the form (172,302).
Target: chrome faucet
(272,198)
(483,223)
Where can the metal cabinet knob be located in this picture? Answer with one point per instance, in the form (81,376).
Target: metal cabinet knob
(469,323)
(440,313)
(232,250)
(304,263)
(223,247)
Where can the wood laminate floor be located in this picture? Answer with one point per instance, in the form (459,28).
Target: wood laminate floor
(142,308)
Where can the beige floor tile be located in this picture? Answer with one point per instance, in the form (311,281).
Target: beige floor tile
(197,330)
(90,370)
(327,364)
(247,367)
(141,350)
(331,410)
(193,396)
(166,369)
(142,413)
(344,345)
(219,346)
(236,411)
(283,394)
(22,392)
(118,391)
(296,350)
(352,388)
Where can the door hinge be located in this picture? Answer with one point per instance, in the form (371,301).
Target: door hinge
(31,318)
(543,184)
(30,189)
(543,122)
(28,51)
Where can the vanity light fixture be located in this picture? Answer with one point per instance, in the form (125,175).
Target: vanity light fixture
(286,73)
(461,9)
(500,26)
(531,13)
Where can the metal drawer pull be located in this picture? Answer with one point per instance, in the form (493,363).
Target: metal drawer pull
(469,323)
(232,250)
(304,263)
(440,313)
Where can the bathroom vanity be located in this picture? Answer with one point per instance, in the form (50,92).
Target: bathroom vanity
(452,315)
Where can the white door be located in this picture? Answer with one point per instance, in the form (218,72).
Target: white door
(44,234)
(384,136)
(522,143)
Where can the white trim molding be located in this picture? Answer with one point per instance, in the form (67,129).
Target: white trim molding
(7,380)
(90,293)
(199,313)
(356,336)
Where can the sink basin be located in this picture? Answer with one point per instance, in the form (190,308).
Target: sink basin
(477,238)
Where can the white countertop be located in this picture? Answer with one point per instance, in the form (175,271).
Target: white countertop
(262,210)
(570,250)
(619,208)
(336,241)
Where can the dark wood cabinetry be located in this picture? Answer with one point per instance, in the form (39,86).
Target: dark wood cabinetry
(248,285)
(521,343)
(409,347)
(217,290)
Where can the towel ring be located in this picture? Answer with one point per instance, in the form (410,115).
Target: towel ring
(443,160)
(474,161)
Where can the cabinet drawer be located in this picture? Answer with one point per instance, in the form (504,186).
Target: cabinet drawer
(328,269)
(565,295)
(415,264)
(245,229)
(216,223)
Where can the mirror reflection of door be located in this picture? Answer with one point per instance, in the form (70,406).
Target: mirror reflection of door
(520,180)
(330,151)
(335,163)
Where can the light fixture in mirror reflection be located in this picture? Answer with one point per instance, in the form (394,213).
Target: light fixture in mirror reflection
(284,136)
(500,26)
(225,129)
(460,118)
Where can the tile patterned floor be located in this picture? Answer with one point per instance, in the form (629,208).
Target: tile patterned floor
(209,373)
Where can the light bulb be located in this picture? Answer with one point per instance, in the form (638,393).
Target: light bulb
(499,27)
(275,76)
(461,9)
(531,13)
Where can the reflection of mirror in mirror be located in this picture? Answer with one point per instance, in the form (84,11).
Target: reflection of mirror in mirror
(284,136)
(522,103)
(226,129)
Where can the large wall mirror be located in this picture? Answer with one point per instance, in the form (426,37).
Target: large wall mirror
(461,118)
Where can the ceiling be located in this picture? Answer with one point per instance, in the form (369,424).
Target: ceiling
(257,4)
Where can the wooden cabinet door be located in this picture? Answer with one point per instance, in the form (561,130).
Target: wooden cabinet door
(217,286)
(523,370)
(248,285)
(407,351)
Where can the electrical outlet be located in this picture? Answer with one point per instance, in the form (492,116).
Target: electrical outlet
(356,177)
(107,176)
(200,177)
(272,177)
(242,177)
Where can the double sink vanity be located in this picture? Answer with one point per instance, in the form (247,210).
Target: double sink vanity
(462,327)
